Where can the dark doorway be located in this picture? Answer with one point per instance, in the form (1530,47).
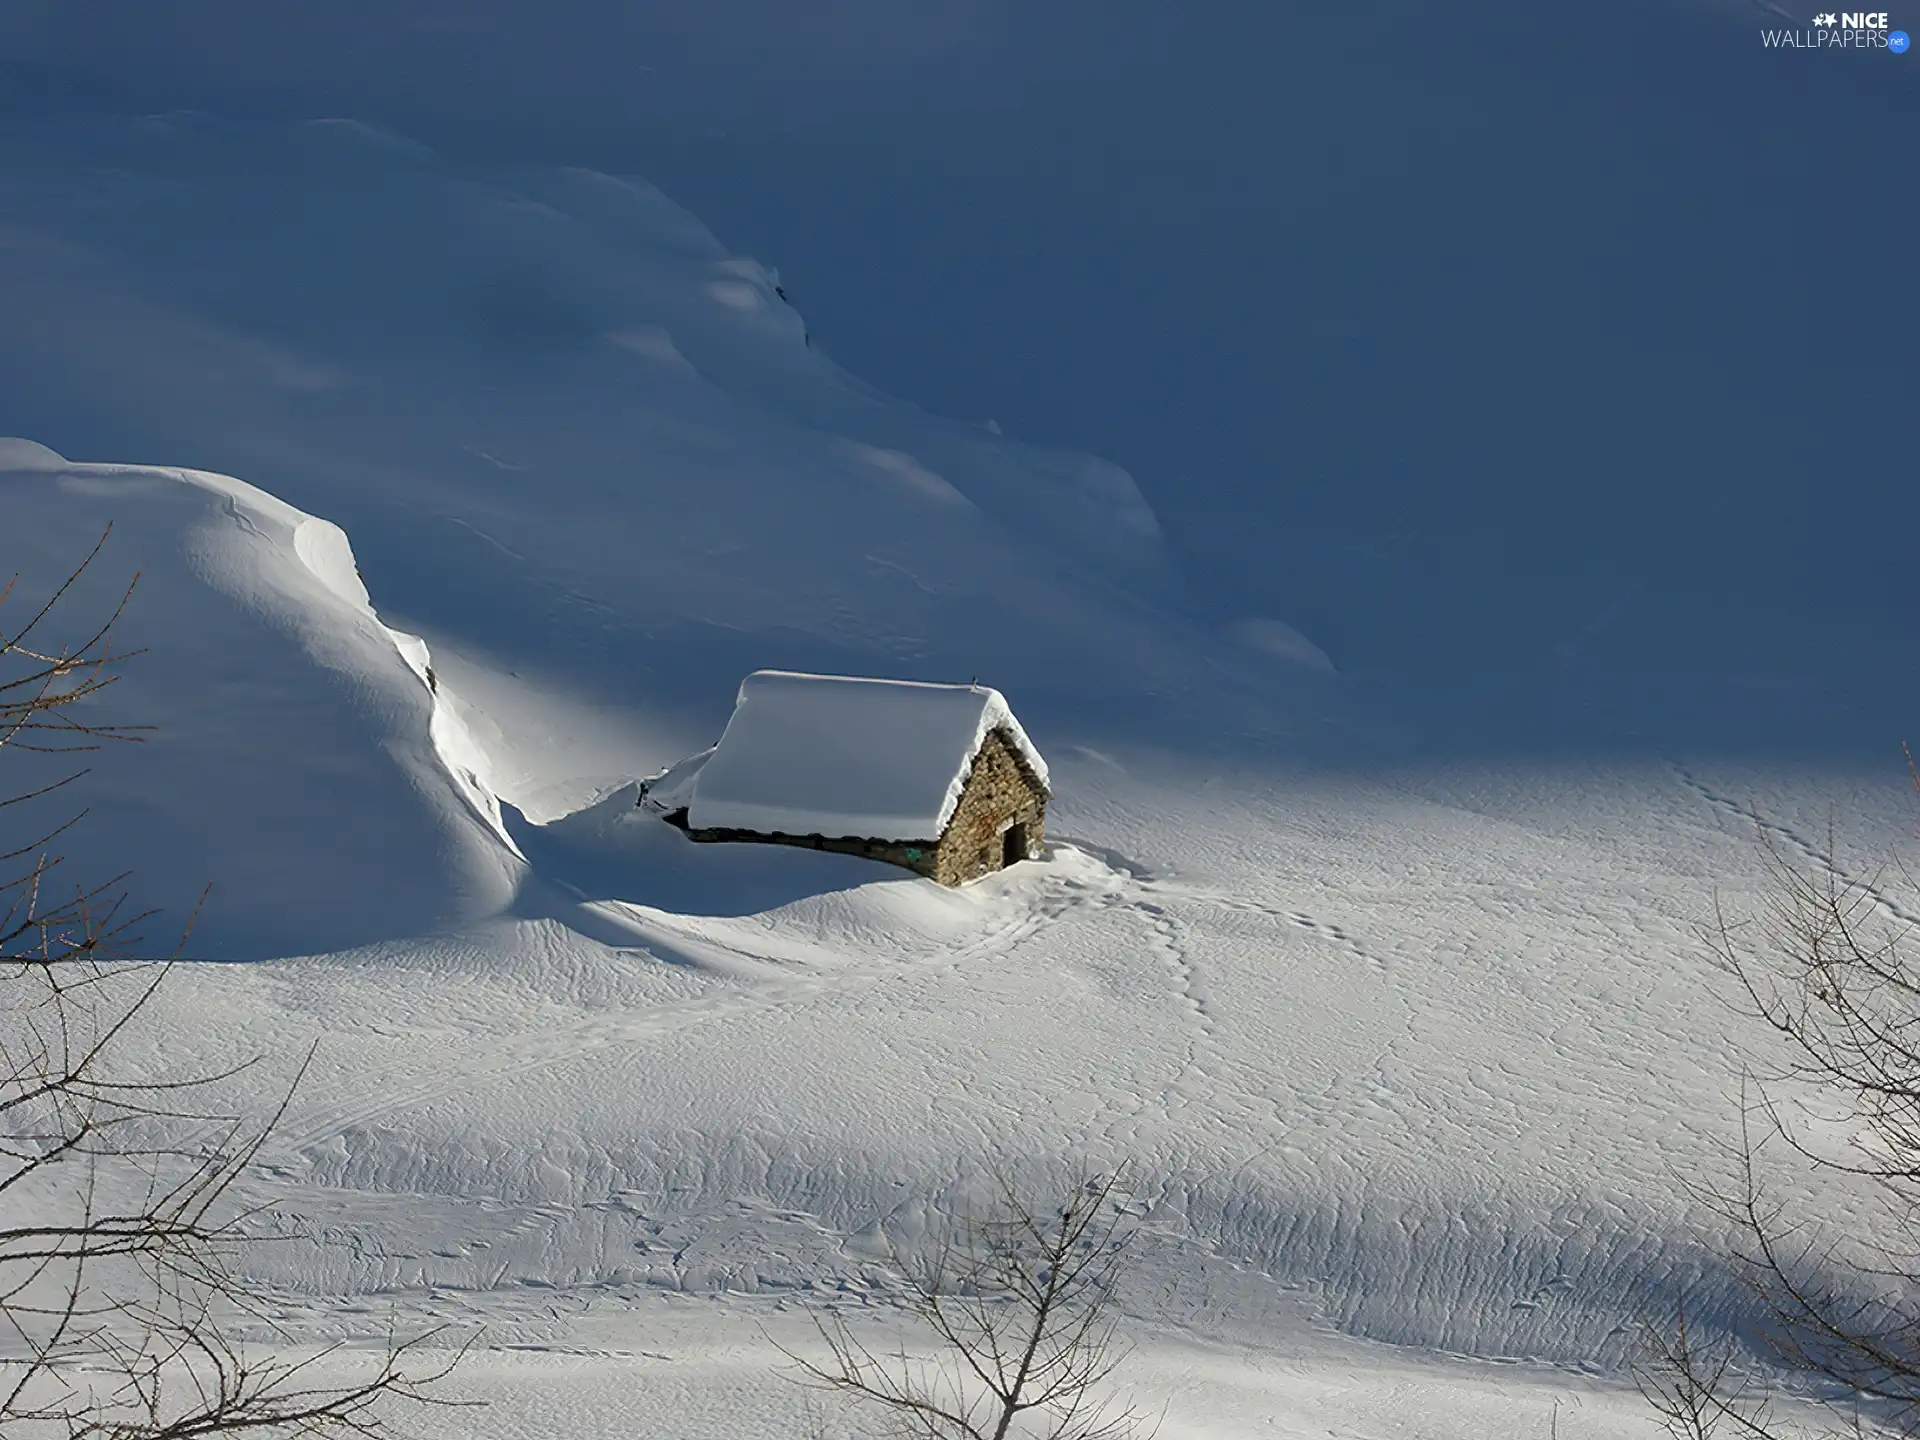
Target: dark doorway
(1013,846)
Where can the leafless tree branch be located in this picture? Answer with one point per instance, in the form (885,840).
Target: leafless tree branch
(118,1224)
(1018,1304)
(1828,966)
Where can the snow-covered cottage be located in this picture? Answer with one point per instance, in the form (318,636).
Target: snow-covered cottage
(938,778)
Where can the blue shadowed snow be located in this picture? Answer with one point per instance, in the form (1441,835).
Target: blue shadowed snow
(1558,419)
(1470,387)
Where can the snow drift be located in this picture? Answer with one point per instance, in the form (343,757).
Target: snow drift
(576,440)
(298,760)
(1420,1048)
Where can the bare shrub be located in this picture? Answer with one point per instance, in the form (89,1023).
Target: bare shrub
(118,1229)
(1017,1306)
(1829,967)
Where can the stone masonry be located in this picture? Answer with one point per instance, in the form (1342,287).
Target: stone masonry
(1001,793)
(1002,796)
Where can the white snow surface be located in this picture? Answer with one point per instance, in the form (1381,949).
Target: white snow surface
(846,757)
(298,761)
(1404,1058)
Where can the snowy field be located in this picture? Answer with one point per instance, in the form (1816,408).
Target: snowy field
(1405,1056)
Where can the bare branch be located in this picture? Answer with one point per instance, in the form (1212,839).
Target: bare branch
(1018,1303)
(117,1223)
(1827,966)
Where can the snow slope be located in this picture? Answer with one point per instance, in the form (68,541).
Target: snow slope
(1399,1054)
(299,759)
(570,336)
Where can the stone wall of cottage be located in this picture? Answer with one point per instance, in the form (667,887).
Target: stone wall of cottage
(1000,793)
(917,856)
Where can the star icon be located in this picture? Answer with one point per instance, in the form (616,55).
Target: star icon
(1827,19)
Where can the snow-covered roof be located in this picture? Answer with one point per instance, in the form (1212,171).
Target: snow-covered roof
(838,756)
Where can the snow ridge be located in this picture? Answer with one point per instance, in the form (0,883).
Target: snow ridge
(303,755)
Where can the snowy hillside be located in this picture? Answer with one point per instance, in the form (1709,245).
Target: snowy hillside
(1402,1055)
(299,757)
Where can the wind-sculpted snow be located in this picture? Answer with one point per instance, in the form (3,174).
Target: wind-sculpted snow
(571,435)
(1414,1053)
(1392,1059)
(292,760)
